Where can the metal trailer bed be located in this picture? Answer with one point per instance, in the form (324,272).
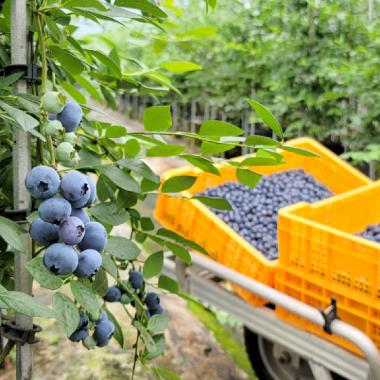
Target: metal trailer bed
(288,344)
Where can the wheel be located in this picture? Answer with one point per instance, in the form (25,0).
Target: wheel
(271,363)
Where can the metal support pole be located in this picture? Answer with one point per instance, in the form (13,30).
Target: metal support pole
(21,166)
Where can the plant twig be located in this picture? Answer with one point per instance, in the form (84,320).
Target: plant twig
(6,350)
(135,358)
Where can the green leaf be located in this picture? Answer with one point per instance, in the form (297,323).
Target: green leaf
(216,128)
(213,148)
(259,161)
(25,121)
(103,189)
(110,98)
(140,237)
(101,283)
(85,296)
(165,372)
(118,334)
(267,152)
(267,117)
(150,345)
(54,30)
(10,232)
(153,264)
(109,265)
(10,79)
(107,61)
(122,248)
(68,61)
(115,131)
(157,323)
(24,304)
(179,239)
(88,87)
(73,92)
(178,184)
(157,118)
(79,48)
(168,284)
(147,224)
(180,67)
(131,148)
(85,4)
(159,340)
(300,151)
(32,217)
(42,275)
(120,178)
(67,311)
(143,5)
(166,150)
(110,213)
(126,199)
(147,185)
(179,252)
(248,177)
(261,140)
(217,203)
(139,167)
(201,163)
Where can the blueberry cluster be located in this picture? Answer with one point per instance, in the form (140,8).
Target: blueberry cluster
(63,223)
(371,233)
(135,284)
(64,119)
(255,212)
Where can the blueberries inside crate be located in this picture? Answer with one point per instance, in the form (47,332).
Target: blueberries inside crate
(371,233)
(255,212)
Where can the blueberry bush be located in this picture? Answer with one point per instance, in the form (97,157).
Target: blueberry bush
(89,176)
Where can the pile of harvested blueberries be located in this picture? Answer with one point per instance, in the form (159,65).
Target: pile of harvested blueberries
(372,232)
(255,212)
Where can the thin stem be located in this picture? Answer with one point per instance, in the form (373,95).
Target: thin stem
(5,197)
(6,350)
(137,299)
(129,314)
(43,116)
(135,358)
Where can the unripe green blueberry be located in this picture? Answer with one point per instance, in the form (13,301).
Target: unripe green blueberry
(71,162)
(54,128)
(89,342)
(53,102)
(64,152)
(71,138)
(125,299)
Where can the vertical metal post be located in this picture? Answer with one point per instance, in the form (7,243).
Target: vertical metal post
(193,112)
(21,166)
(175,116)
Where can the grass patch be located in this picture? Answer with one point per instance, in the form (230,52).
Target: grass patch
(233,349)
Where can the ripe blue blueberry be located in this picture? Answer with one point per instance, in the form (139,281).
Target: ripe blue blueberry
(136,279)
(83,321)
(83,201)
(102,318)
(92,197)
(71,231)
(81,214)
(52,116)
(60,259)
(54,210)
(95,237)
(104,331)
(71,116)
(89,262)
(103,344)
(44,233)
(74,186)
(42,182)
(78,335)
(152,300)
(113,294)
(159,311)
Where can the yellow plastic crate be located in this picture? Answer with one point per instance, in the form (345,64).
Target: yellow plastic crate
(194,221)
(320,257)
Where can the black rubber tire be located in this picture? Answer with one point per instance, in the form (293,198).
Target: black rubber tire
(252,348)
